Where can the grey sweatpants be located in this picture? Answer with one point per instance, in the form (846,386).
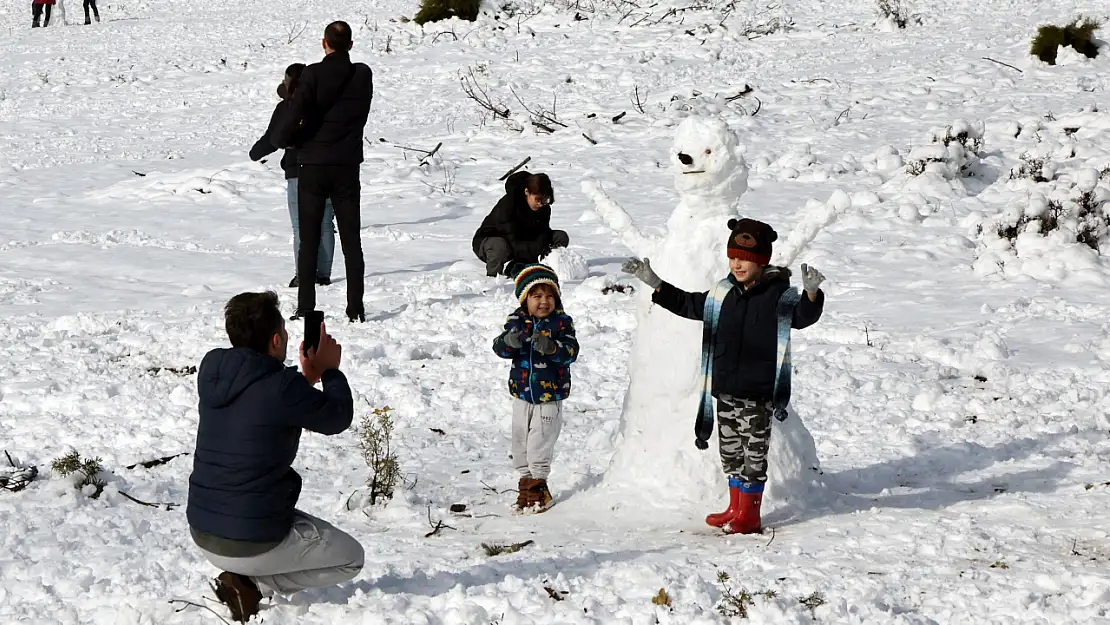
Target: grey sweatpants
(744,429)
(536,427)
(314,554)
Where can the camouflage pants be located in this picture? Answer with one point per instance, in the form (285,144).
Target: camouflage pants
(744,429)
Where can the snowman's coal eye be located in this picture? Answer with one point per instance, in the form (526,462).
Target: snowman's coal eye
(708,151)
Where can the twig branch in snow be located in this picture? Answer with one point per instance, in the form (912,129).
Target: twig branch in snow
(589,138)
(295,31)
(474,90)
(428,157)
(10,461)
(540,115)
(987,58)
(743,92)
(515,169)
(196,605)
(436,526)
(169,506)
(772,538)
(637,101)
(617,118)
(147,464)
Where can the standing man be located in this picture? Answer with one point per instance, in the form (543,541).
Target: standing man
(243,490)
(325,123)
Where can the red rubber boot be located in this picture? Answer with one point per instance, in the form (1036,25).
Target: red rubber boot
(719,519)
(747,519)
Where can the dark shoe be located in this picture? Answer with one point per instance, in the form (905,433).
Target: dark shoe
(35,24)
(87,21)
(356,314)
(296,315)
(295,282)
(513,268)
(323,281)
(240,594)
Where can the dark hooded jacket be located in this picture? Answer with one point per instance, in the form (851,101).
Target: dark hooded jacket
(252,411)
(265,145)
(746,350)
(527,231)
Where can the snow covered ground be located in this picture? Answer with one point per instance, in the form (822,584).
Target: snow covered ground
(959,404)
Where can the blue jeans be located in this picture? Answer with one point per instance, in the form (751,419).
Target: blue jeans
(327,233)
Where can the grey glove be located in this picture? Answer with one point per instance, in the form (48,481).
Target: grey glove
(514,338)
(543,344)
(811,279)
(642,270)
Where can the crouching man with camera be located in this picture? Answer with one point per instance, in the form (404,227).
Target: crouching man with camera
(243,489)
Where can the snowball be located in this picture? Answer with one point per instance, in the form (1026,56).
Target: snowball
(567,264)
(1086,179)
(839,201)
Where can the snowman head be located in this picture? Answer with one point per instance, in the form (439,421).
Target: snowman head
(707,160)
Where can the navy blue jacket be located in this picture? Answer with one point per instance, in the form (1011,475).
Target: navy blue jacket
(536,378)
(745,354)
(252,410)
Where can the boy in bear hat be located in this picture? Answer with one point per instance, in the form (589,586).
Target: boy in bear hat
(539,338)
(745,355)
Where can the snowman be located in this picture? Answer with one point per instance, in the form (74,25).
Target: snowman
(656,457)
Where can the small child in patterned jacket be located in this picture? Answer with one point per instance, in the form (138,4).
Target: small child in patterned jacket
(539,338)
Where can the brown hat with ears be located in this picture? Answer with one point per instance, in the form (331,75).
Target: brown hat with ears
(750,240)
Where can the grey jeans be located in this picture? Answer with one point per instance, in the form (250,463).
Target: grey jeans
(314,554)
(536,427)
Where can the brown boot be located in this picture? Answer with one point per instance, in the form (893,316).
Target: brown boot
(522,494)
(240,594)
(541,499)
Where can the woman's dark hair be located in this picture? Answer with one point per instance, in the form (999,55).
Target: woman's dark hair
(252,320)
(292,76)
(540,184)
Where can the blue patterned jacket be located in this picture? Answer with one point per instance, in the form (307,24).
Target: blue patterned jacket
(536,378)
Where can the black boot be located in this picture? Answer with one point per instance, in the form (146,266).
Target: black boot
(295,282)
(87,20)
(323,281)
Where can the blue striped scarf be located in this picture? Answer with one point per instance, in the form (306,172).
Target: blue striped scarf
(703,426)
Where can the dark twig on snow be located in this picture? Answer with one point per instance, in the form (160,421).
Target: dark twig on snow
(743,92)
(543,127)
(428,157)
(772,538)
(436,526)
(540,115)
(10,461)
(147,464)
(617,118)
(515,169)
(758,106)
(589,138)
(987,58)
(637,101)
(189,604)
(168,506)
(474,90)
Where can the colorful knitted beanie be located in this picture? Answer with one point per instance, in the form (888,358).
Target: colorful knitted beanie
(532,275)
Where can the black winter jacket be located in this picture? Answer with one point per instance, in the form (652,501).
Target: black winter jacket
(252,410)
(265,145)
(746,349)
(527,231)
(334,136)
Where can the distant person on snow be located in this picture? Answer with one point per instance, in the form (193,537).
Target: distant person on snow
(38,7)
(263,148)
(517,231)
(325,121)
(91,4)
(539,338)
(747,319)
(243,490)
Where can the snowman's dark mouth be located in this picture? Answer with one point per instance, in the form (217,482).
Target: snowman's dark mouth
(699,171)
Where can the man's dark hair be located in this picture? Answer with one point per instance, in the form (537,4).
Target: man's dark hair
(540,184)
(252,319)
(338,36)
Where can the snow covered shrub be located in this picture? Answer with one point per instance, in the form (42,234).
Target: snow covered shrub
(1035,168)
(953,151)
(86,472)
(1078,35)
(1055,234)
(896,13)
(437,10)
(376,443)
